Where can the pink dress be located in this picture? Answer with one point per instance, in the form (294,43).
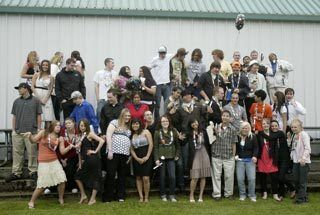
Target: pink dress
(265,163)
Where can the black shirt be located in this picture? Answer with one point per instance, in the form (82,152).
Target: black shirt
(108,113)
(68,82)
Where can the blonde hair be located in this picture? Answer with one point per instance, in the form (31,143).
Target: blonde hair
(57,58)
(298,121)
(32,58)
(243,124)
(121,118)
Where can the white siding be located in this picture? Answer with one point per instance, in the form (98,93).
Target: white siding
(134,41)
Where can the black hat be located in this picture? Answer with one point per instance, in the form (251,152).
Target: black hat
(24,85)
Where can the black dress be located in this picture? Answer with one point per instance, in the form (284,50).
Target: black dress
(90,173)
(141,146)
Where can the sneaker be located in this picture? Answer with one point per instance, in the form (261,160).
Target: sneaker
(264,195)
(164,199)
(74,190)
(34,176)
(242,198)
(216,199)
(12,177)
(121,200)
(47,191)
(173,199)
(253,199)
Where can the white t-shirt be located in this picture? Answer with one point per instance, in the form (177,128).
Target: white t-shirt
(278,116)
(54,70)
(105,80)
(160,69)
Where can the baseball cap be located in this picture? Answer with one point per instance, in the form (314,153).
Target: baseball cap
(24,85)
(75,94)
(162,49)
(182,51)
(254,62)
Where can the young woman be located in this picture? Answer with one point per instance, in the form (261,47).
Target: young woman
(148,87)
(268,161)
(89,171)
(199,161)
(166,152)
(121,82)
(246,157)
(118,149)
(280,110)
(279,138)
(42,85)
(300,154)
(141,149)
(80,66)
(136,108)
(30,67)
(68,153)
(50,172)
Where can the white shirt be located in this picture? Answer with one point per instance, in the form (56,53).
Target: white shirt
(105,80)
(54,69)
(160,69)
(295,109)
(278,116)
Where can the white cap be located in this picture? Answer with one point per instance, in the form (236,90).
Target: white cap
(254,62)
(162,49)
(75,95)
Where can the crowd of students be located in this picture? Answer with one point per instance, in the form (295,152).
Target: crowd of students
(234,118)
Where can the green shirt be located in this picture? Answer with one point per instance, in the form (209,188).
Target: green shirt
(171,147)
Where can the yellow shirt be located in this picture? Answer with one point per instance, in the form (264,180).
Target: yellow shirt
(226,69)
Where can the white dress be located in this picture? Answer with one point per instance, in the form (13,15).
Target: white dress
(41,91)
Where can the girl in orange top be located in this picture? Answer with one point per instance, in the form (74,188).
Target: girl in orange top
(50,172)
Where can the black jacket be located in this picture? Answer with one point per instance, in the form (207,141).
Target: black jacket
(243,87)
(215,117)
(109,113)
(250,148)
(68,82)
(206,84)
(273,146)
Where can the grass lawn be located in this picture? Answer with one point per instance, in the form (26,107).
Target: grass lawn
(49,205)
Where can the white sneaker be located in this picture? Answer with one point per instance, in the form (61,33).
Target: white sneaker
(242,198)
(164,199)
(173,200)
(47,191)
(253,199)
(74,190)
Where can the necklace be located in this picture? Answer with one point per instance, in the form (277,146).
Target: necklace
(258,116)
(163,140)
(234,113)
(50,146)
(197,140)
(232,81)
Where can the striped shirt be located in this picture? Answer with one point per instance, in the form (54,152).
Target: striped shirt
(226,138)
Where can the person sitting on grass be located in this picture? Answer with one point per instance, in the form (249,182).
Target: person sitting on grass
(50,172)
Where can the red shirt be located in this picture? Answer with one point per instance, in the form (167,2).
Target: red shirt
(258,112)
(70,154)
(137,113)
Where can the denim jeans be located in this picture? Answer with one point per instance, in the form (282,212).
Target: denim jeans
(300,177)
(246,169)
(100,105)
(170,166)
(163,90)
(182,165)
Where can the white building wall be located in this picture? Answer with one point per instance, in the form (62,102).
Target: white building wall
(134,41)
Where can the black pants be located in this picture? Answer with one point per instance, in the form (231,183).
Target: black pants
(117,165)
(56,107)
(283,180)
(274,182)
(67,108)
(300,175)
(248,102)
(70,170)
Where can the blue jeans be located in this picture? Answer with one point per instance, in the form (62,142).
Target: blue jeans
(163,90)
(182,165)
(100,105)
(170,166)
(246,169)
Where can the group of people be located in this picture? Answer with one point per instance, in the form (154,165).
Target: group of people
(235,118)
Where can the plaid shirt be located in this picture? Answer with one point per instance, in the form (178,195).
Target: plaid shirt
(226,138)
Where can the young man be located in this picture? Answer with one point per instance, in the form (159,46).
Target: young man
(223,151)
(67,81)
(294,108)
(277,74)
(160,70)
(178,72)
(238,83)
(254,55)
(103,79)
(225,69)
(150,123)
(83,110)
(174,101)
(259,111)
(238,113)
(26,111)
(209,80)
(215,106)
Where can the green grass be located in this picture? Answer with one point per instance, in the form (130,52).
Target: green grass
(49,205)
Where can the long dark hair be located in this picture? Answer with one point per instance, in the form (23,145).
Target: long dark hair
(192,120)
(133,121)
(41,70)
(124,73)
(196,51)
(159,126)
(76,55)
(86,125)
(147,74)
(281,100)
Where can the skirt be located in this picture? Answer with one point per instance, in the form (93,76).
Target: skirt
(50,174)
(201,164)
